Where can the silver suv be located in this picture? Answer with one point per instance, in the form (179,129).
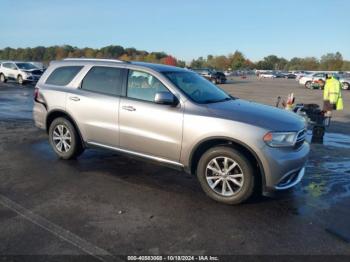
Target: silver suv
(172,116)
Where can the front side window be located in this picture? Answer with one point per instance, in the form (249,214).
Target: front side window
(144,86)
(63,75)
(106,80)
(197,88)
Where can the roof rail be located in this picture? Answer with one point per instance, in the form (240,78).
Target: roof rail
(94,59)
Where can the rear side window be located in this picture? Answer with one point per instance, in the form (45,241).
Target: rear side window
(63,75)
(106,80)
(8,65)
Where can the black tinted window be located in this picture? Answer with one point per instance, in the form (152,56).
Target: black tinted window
(63,75)
(107,80)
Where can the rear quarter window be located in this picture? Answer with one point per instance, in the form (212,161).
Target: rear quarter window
(61,76)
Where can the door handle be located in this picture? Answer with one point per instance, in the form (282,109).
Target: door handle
(74,98)
(129,108)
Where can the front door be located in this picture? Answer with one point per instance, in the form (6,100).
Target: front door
(147,127)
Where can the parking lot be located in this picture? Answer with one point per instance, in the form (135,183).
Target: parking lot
(104,204)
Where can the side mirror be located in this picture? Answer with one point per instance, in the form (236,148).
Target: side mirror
(165,98)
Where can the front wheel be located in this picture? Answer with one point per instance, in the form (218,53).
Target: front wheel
(226,175)
(214,81)
(308,84)
(345,86)
(65,139)
(20,80)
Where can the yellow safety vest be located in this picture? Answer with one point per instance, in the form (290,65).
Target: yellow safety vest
(332,93)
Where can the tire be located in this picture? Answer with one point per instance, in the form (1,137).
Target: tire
(3,78)
(345,86)
(72,146)
(308,84)
(20,80)
(214,81)
(238,190)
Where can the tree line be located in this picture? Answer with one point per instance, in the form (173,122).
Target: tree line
(237,61)
(47,54)
(234,61)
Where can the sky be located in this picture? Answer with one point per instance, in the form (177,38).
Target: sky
(186,29)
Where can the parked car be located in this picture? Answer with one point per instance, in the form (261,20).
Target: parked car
(174,116)
(267,75)
(221,76)
(307,80)
(212,75)
(300,74)
(290,76)
(21,72)
(280,74)
(345,82)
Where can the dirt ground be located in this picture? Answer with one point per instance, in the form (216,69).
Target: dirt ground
(105,205)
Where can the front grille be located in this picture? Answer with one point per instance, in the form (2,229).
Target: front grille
(300,139)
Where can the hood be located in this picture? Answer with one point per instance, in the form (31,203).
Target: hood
(33,71)
(268,117)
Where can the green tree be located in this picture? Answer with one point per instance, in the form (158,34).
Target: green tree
(236,60)
(332,62)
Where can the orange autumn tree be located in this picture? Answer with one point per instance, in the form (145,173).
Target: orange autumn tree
(169,60)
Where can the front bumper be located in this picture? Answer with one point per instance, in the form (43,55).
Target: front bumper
(290,179)
(284,168)
(32,78)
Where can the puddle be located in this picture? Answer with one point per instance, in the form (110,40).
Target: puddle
(327,182)
(333,139)
(338,167)
(16,105)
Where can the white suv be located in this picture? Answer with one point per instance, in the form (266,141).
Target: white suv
(307,80)
(19,71)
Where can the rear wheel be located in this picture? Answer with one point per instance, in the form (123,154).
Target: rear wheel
(3,78)
(226,175)
(65,139)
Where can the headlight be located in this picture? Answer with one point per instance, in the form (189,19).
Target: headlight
(28,73)
(280,139)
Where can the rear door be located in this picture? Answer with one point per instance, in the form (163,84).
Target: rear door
(95,104)
(7,70)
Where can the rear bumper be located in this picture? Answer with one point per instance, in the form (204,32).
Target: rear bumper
(39,115)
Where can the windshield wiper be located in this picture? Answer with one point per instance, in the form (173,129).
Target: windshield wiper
(216,100)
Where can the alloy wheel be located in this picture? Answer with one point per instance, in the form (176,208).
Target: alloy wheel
(224,176)
(62,138)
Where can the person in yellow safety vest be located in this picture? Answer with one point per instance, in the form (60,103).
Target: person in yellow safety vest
(331,94)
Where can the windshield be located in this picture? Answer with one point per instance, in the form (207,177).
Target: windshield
(25,66)
(197,88)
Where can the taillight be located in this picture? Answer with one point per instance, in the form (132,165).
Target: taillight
(36,94)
